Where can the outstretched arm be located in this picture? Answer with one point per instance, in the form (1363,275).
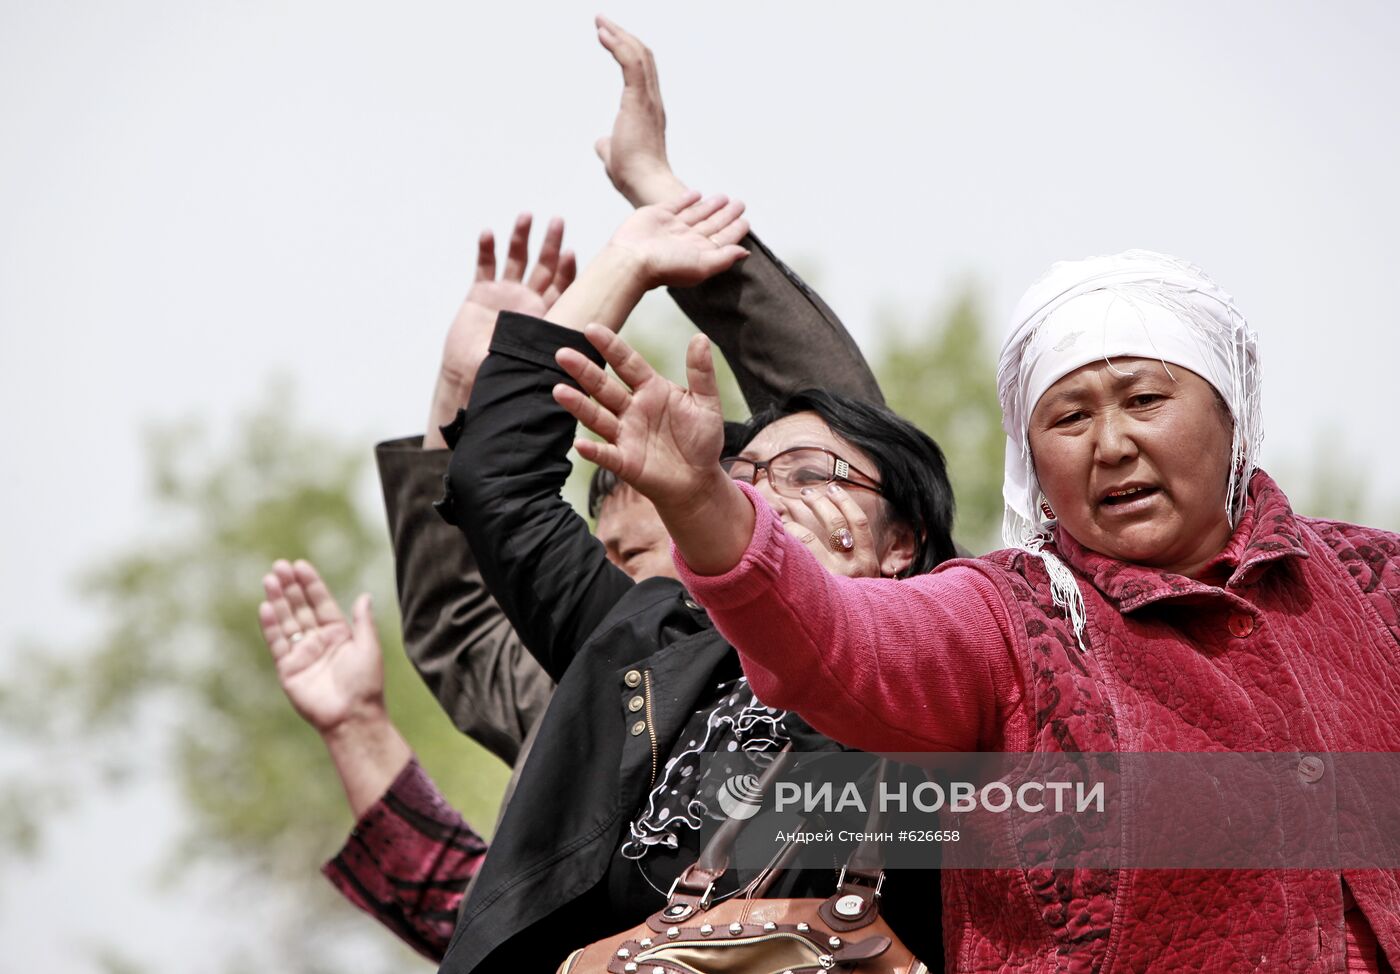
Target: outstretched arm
(776,333)
(454,632)
(469,338)
(880,664)
(549,574)
(409,859)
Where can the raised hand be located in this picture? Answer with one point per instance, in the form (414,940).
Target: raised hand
(663,440)
(634,155)
(684,240)
(681,242)
(331,672)
(469,338)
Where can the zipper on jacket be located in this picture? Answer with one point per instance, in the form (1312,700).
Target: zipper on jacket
(651,724)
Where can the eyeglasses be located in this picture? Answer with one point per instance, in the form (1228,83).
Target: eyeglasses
(792,470)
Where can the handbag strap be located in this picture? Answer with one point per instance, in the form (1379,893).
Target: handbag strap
(856,900)
(697,881)
(864,867)
(867,859)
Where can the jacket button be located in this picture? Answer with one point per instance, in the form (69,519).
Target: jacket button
(1311,769)
(635,704)
(1241,625)
(638,727)
(632,678)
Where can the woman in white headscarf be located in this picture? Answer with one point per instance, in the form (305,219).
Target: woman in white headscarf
(1157,594)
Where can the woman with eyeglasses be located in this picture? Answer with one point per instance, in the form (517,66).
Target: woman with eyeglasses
(652,714)
(892,482)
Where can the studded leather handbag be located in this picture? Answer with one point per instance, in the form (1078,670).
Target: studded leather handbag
(752,934)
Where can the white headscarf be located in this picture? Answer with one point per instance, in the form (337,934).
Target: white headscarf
(1136,304)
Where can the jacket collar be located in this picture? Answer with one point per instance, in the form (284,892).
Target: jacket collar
(1267,532)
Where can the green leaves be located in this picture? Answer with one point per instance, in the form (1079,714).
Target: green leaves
(180,681)
(940,373)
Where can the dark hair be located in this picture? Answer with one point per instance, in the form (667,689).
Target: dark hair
(913,473)
(604,483)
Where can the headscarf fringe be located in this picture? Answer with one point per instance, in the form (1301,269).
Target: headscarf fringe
(1064,589)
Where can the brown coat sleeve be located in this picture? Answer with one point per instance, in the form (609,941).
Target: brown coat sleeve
(776,333)
(453,630)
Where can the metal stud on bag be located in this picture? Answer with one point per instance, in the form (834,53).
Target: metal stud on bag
(629,968)
(706,929)
(672,933)
(769,927)
(850,906)
(735,929)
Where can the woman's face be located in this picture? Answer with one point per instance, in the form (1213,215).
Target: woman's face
(1136,465)
(894,548)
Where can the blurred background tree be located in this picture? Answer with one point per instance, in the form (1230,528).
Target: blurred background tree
(940,373)
(181,661)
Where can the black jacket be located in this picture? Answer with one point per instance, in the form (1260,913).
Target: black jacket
(776,334)
(601,637)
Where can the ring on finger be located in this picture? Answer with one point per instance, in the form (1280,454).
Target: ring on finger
(841,540)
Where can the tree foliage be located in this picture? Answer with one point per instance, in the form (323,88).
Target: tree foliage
(180,660)
(940,374)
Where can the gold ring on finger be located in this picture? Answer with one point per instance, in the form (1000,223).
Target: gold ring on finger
(841,540)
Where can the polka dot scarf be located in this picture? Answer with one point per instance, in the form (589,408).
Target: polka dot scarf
(713,770)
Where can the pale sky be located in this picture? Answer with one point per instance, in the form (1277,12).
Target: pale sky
(196,196)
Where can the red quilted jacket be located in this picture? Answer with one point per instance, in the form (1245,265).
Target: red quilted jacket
(1298,651)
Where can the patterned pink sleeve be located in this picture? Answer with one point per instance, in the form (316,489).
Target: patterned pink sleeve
(918,664)
(407,862)
(1372,558)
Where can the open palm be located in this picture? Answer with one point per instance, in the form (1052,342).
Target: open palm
(634,154)
(469,338)
(685,240)
(331,672)
(663,440)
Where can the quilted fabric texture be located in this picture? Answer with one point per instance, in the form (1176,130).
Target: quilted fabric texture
(1295,650)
